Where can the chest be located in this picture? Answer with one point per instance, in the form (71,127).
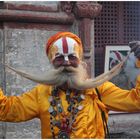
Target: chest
(71,122)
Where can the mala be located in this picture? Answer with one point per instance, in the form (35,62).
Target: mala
(64,122)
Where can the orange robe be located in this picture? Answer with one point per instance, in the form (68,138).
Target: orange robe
(88,124)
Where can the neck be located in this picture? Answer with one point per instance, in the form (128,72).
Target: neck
(65,87)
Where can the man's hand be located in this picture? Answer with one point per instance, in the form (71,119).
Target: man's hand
(135,47)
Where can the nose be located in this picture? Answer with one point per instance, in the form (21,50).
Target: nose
(66,61)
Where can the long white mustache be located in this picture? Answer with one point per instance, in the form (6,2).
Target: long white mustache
(51,77)
(76,78)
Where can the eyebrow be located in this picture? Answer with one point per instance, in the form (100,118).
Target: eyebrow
(57,54)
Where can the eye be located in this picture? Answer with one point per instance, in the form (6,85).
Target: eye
(72,57)
(59,58)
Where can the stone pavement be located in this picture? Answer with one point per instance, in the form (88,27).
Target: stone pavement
(125,126)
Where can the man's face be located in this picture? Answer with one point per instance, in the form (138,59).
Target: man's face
(65,52)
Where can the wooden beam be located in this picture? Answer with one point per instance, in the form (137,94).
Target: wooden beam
(35,17)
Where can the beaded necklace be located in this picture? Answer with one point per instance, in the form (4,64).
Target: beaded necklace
(64,122)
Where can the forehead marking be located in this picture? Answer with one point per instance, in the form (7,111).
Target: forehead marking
(65,45)
(58,44)
(71,44)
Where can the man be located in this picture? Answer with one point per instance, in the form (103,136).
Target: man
(66,101)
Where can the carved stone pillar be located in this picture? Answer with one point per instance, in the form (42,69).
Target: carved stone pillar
(67,6)
(85,12)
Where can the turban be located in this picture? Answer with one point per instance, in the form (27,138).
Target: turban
(55,37)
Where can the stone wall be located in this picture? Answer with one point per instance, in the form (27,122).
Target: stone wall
(124,125)
(25,49)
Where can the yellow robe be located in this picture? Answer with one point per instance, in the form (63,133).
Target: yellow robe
(88,124)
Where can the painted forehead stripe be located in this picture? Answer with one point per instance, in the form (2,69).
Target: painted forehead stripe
(65,45)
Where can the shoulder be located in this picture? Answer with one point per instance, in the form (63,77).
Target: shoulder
(100,88)
(43,88)
(41,92)
(106,86)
